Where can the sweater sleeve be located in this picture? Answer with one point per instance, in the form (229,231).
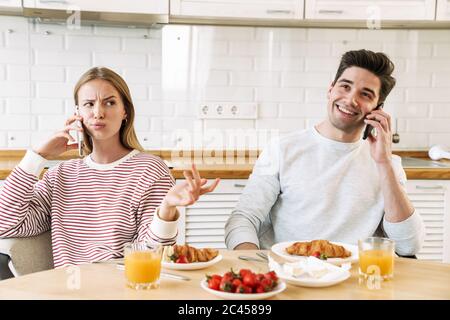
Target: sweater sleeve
(25,201)
(256,201)
(150,226)
(408,234)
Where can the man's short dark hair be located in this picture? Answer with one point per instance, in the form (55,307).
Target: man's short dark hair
(376,62)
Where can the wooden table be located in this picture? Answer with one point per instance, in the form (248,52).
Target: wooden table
(243,171)
(414,279)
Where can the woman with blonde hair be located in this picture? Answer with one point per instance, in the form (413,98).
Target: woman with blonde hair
(114,195)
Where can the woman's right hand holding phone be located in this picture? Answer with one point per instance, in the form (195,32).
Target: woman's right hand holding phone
(59,142)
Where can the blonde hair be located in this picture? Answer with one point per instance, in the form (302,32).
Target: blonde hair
(127,134)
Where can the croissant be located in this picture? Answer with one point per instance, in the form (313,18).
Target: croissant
(322,246)
(193,254)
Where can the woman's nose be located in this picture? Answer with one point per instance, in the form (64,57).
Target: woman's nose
(98,111)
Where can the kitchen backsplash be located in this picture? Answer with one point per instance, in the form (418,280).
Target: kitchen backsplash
(176,70)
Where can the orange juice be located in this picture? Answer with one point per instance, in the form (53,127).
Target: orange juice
(142,267)
(383,259)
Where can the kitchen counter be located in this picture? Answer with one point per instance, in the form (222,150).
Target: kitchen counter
(232,169)
(244,171)
(413,279)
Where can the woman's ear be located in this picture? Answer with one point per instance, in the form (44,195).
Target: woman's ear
(124,119)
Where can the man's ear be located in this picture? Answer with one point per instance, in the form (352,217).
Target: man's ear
(329,90)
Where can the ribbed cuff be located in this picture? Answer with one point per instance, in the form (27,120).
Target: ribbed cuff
(233,239)
(32,163)
(408,234)
(163,229)
(404,229)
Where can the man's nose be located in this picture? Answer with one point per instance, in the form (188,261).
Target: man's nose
(352,99)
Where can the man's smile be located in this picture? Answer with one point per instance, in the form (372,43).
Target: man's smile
(346,111)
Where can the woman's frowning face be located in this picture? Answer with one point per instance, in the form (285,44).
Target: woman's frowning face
(102,109)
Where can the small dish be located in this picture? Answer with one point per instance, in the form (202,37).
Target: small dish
(191,266)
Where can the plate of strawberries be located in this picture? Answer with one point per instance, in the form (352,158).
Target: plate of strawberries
(243,285)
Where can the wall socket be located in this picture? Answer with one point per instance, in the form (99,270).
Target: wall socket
(228,110)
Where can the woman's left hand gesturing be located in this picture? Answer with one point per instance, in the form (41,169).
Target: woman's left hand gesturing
(185,193)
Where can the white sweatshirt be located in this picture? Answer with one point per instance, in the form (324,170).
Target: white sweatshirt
(305,186)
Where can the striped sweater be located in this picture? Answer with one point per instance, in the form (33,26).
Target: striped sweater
(92,209)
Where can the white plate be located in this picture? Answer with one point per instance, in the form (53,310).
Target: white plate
(244,296)
(280,249)
(191,266)
(315,283)
(334,275)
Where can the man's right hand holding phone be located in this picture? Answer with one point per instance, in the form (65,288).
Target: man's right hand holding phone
(381,143)
(369,128)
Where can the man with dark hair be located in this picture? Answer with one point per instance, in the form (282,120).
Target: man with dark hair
(327,182)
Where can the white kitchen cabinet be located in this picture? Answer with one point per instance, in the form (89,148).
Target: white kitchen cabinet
(443,10)
(238,9)
(203,223)
(398,10)
(431,198)
(111,12)
(119,6)
(10,6)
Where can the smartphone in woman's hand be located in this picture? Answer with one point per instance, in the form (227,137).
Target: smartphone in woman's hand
(79,135)
(369,128)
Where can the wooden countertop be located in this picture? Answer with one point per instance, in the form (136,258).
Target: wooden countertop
(244,171)
(413,279)
(238,171)
(231,169)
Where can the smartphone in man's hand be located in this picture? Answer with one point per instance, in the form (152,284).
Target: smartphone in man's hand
(369,128)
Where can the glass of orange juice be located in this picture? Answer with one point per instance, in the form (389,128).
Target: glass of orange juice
(143,265)
(376,257)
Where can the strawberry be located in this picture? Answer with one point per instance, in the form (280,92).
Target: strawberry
(267,285)
(214,283)
(271,275)
(260,277)
(236,282)
(249,280)
(182,259)
(243,272)
(242,289)
(226,285)
(214,276)
(259,289)
(230,275)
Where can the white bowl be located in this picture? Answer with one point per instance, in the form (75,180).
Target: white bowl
(281,286)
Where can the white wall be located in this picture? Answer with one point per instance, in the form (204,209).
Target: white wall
(172,71)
